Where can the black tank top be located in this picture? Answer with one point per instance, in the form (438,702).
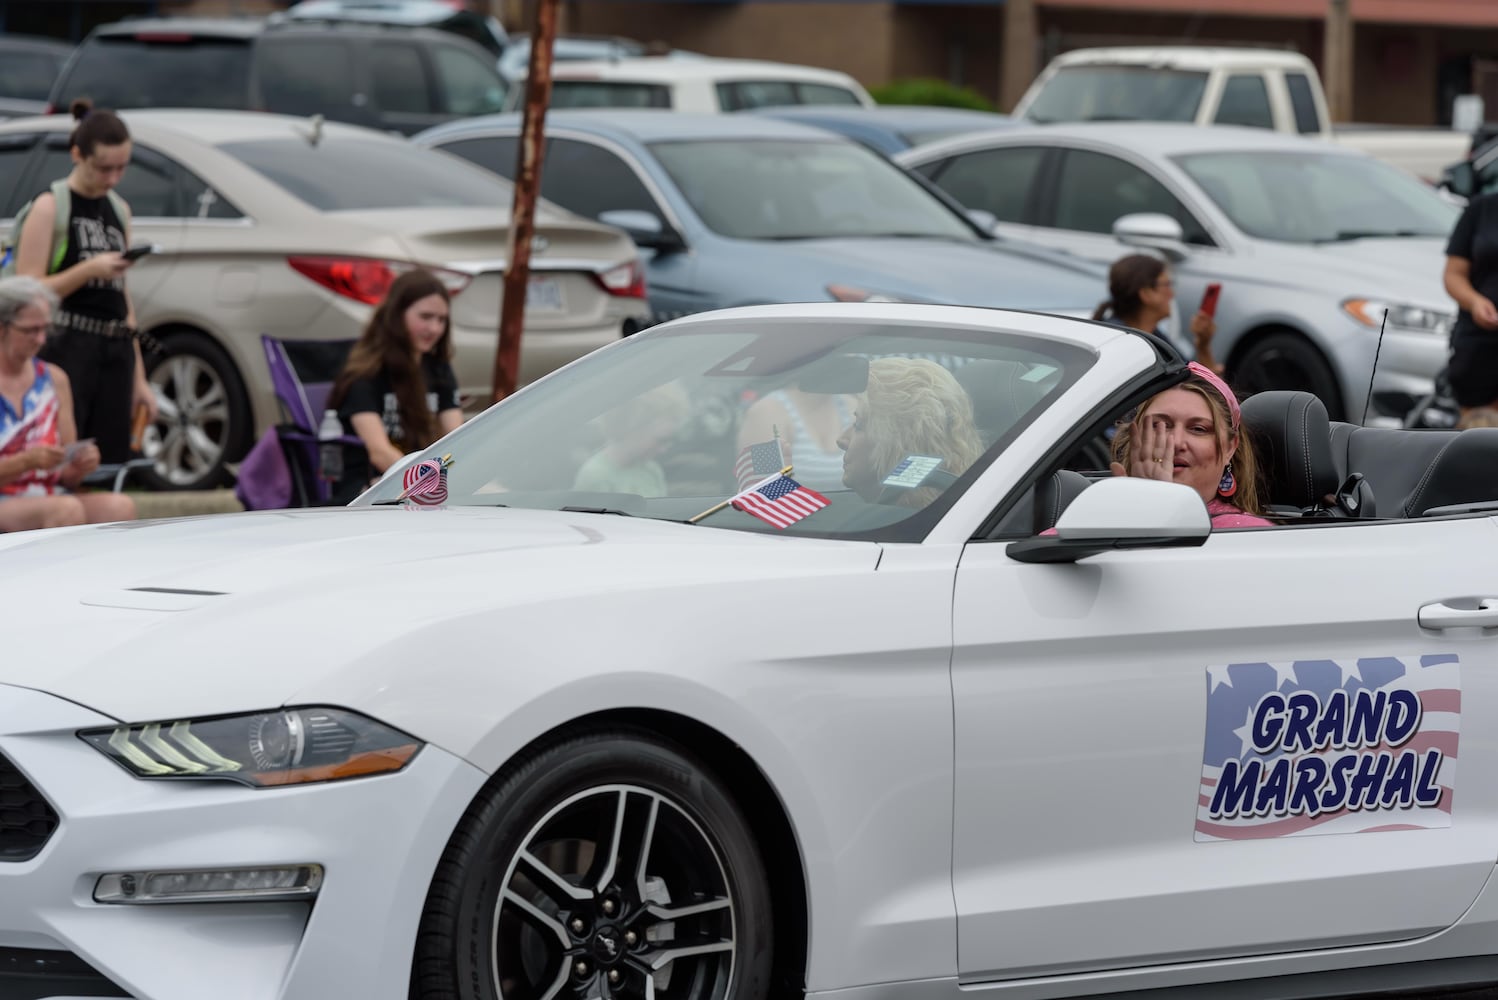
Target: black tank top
(94,228)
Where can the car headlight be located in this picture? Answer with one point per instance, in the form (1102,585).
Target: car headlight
(290,746)
(1370,313)
(852,293)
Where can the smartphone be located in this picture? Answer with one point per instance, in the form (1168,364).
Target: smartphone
(136,253)
(1209,298)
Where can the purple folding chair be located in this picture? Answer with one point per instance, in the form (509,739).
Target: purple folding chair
(302,373)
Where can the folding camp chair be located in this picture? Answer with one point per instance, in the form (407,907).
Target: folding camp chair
(302,373)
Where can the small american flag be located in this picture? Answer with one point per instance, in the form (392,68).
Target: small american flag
(780,501)
(425,482)
(756,461)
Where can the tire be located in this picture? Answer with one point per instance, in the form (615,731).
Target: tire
(204,419)
(524,905)
(1286,360)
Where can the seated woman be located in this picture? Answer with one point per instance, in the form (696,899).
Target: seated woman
(397,391)
(37,478)
(911,408)
(1190,434)
(637,433)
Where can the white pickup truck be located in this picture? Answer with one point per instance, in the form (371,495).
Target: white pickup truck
(1266,88)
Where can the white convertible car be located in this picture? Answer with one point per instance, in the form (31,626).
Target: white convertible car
(561,724)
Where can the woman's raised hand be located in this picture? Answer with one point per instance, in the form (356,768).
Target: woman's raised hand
(1151,454)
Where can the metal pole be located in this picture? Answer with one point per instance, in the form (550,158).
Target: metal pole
(523,211)
(1337,60)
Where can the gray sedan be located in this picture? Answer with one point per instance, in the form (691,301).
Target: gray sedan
(1312,243)
(736,210)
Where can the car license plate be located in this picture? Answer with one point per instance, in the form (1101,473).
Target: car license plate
(543,295)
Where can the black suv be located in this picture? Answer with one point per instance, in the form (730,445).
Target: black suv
(398,78)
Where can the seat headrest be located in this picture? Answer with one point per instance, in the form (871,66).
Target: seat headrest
(1292,439)
(1000,394)
(1054,493)
(1465,471)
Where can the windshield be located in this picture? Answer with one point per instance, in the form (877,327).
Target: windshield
(1318,197)
(672,423)
(334,175)
(769,189)
(1118,93)
(186,72)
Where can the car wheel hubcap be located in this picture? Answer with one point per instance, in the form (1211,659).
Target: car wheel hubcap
(192,424)
(617,893)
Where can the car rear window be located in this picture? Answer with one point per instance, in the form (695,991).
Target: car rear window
(334,175)
(608,94)
(159,71)
(28,75)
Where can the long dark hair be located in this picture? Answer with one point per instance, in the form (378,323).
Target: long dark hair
(1126,279)
(96,127)
(385,345)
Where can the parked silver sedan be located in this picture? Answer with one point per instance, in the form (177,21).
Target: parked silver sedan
(285,226)
(1312,243)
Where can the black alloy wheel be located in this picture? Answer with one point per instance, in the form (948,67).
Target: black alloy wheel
(1286,360)
(611,866)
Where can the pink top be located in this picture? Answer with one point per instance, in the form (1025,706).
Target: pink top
(1225,515)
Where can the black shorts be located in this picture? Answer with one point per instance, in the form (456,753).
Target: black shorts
(102,372)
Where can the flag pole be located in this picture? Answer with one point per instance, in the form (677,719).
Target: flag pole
(714,509)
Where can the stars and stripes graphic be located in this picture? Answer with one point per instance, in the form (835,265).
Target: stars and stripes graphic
(780,501)
(425,483)
(756,461)
(1356,745)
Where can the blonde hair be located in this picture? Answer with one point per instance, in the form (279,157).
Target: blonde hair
(915,407)
(1479,416)
(1244,463)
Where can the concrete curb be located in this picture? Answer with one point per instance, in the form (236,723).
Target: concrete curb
(184,503)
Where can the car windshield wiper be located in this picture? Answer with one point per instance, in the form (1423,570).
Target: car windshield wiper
(579,509)
(1347,235)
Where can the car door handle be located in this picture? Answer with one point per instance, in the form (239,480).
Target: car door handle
(1442,616)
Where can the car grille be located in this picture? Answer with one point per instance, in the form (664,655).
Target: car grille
(29,974)
(26,819)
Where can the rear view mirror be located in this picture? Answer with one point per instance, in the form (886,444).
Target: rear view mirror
(1460,178)
(984,220)
(1152,231)
(645,228)
(1120,513)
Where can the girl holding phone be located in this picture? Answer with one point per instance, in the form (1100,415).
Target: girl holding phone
(1141,290)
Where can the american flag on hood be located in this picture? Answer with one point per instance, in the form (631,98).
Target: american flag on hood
(1352,745)
(780,501)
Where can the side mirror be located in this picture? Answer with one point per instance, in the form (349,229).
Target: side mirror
(1152,231)
(984,220)
(645,228)
(1120,513)
(1460,178)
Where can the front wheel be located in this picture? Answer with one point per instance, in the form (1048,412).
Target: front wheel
(203,418)
(1286,360)
(609,866)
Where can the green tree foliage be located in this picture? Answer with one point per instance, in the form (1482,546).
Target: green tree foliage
(931,91)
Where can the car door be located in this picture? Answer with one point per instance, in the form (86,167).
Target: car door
(1105,723)
(590,178)
(1005,181)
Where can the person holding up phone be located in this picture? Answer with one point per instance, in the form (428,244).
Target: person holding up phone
(94,339)
(1141,290)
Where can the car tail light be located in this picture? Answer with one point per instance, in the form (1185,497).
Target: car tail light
(626,281)
(366,279)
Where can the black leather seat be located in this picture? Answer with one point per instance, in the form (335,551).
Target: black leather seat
(1292,441)
(1462,474)
(1054,493)
(1001,394)
(1392,459)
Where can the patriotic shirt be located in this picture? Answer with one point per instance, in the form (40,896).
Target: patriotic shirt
(34,425)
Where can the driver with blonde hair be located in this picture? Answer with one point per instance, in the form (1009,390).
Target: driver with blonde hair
(912,408)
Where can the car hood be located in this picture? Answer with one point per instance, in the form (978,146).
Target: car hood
(1404,268)
(949,272)
(238,612)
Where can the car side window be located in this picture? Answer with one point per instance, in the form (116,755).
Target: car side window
(1094,190)
(995,180)
(149,186)
(745,94)
(823,93)
(494,153)
(306,76)
(28,75)
(588,179)
(201,201)
(15,153)
(1303,102)
(469,85)
(1245,101)
(400,82)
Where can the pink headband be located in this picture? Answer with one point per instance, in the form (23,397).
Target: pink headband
(1210,377)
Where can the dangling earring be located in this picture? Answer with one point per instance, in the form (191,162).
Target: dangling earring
(1228,485)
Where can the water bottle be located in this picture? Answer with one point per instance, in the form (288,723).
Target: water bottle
(330,448)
